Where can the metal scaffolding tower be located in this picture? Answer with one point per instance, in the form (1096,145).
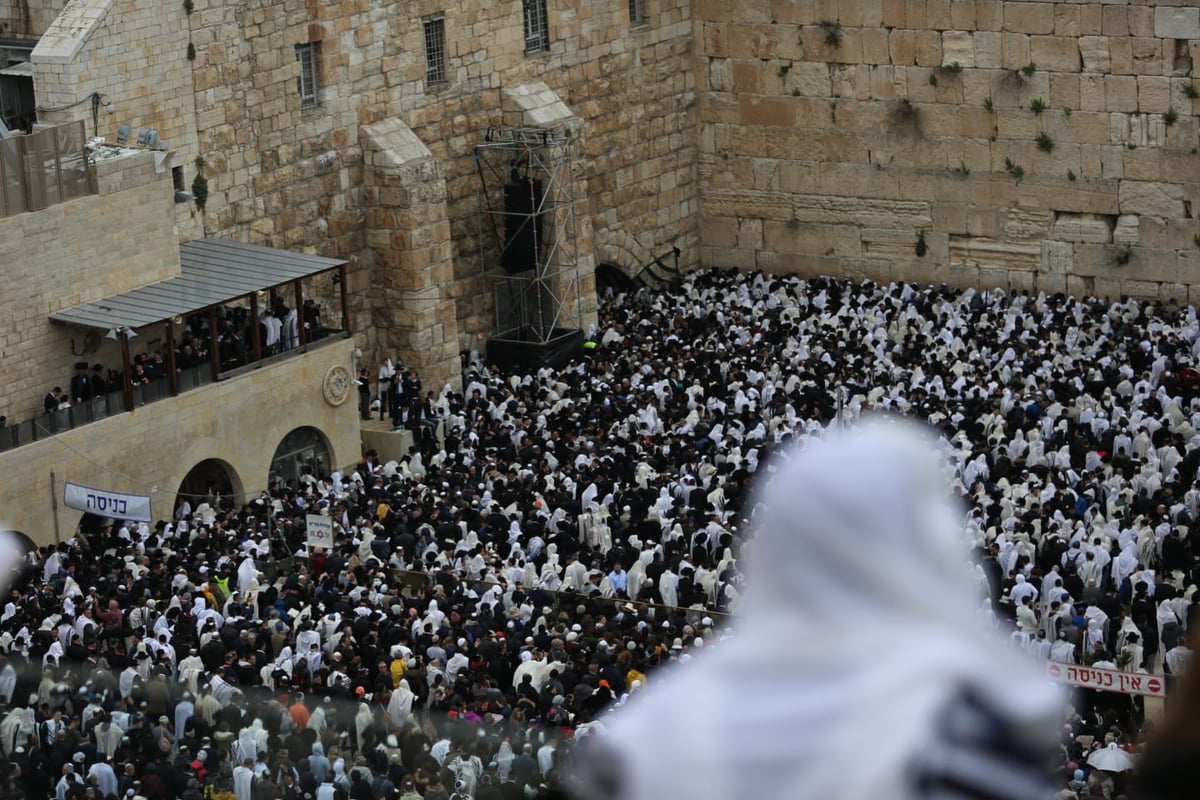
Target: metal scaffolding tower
(528,233)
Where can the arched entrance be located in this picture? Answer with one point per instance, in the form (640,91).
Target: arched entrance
(304,450)
(23,542)
(212,481)
(611,276)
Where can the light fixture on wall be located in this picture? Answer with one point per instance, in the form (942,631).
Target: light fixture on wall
(116,333)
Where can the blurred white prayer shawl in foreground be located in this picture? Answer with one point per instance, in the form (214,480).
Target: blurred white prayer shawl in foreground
(860,666)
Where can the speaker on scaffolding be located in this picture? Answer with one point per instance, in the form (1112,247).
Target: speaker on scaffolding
(522,226)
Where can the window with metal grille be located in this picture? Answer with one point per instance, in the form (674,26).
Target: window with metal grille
(435,50)
(537,29)
(309,56)
(637,12)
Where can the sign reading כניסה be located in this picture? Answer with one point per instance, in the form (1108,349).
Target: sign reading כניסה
(103,503)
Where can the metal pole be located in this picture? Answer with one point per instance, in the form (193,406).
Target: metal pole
(54,507)
(300,312)
(214,343)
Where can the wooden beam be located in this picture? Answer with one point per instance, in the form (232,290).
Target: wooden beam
(127,368)
(299,287)
(214,342)
(346,326)
(255,334)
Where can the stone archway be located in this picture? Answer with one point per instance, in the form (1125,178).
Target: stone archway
(612,276)
(213,481)
(23,542)
(304,450)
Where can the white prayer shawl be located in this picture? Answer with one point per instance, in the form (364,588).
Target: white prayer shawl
(362,721)
(910,600)
(668,585)
(243,779)
(399,708)
(247,572)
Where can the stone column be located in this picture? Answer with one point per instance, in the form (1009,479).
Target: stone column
(409,253)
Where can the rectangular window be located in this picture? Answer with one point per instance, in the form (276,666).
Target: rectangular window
(435,50)
(309,56)
(537,29)
(637,12)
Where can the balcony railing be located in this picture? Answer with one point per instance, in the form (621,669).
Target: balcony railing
(98,408)
(44,168)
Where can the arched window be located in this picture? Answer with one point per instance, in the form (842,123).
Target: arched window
(212,481)
(303,451)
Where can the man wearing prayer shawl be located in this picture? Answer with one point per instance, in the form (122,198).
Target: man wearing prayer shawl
(944,706)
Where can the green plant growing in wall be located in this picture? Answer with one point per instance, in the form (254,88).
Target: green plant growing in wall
(191,52)
(1029,69)
(188,7)
(1196,239)
(962,169)
(1044,142)
(833,33)
(988,105)
(1124,255)
(933,79)
(1171,117)
(953,68)
(1190,91)
(200,190)
(1014,169)
(922,248)
(1070,175)
(1038,105)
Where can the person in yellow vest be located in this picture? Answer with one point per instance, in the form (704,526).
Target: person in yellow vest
(398,666)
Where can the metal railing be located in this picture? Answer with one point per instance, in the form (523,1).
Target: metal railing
(98,408)
(45,168)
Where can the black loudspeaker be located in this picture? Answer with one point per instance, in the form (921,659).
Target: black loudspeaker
(522,226)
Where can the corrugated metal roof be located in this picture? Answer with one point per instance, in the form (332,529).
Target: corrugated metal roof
(213,271)
(23,69)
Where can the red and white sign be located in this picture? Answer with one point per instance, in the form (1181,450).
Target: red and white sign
(1107,680)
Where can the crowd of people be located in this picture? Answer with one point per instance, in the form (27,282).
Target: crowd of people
(573,537)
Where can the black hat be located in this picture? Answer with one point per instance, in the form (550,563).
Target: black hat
(81,365)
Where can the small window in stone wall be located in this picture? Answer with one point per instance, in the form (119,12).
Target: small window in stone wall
(637,12)
(307,85)
(435,50)
(537,27)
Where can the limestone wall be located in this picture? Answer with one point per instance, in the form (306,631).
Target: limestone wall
(1048,145)
(28,17)
(291,177)
(150,450)
(135,52)
(74,253)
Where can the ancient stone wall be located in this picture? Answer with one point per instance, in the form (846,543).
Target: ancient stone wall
(288,176)
(135,54)
(28,18)
(1028,145)
(72,253)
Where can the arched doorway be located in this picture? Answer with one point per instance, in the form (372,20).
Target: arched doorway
(303,451)
(611,276)
(23,543)
(212,481)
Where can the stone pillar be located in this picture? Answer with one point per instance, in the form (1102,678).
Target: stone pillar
(535,105)
(409,253)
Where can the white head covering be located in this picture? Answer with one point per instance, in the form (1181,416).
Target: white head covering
(861,603)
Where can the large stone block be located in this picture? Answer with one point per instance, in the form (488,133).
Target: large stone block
(1094,52)
(1153,199)
(1177,23)
(1089,228)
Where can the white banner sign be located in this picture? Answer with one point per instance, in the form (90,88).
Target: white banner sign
(320,531)
(107,504)
(1107,680)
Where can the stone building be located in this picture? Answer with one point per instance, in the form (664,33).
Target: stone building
(1046,146)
